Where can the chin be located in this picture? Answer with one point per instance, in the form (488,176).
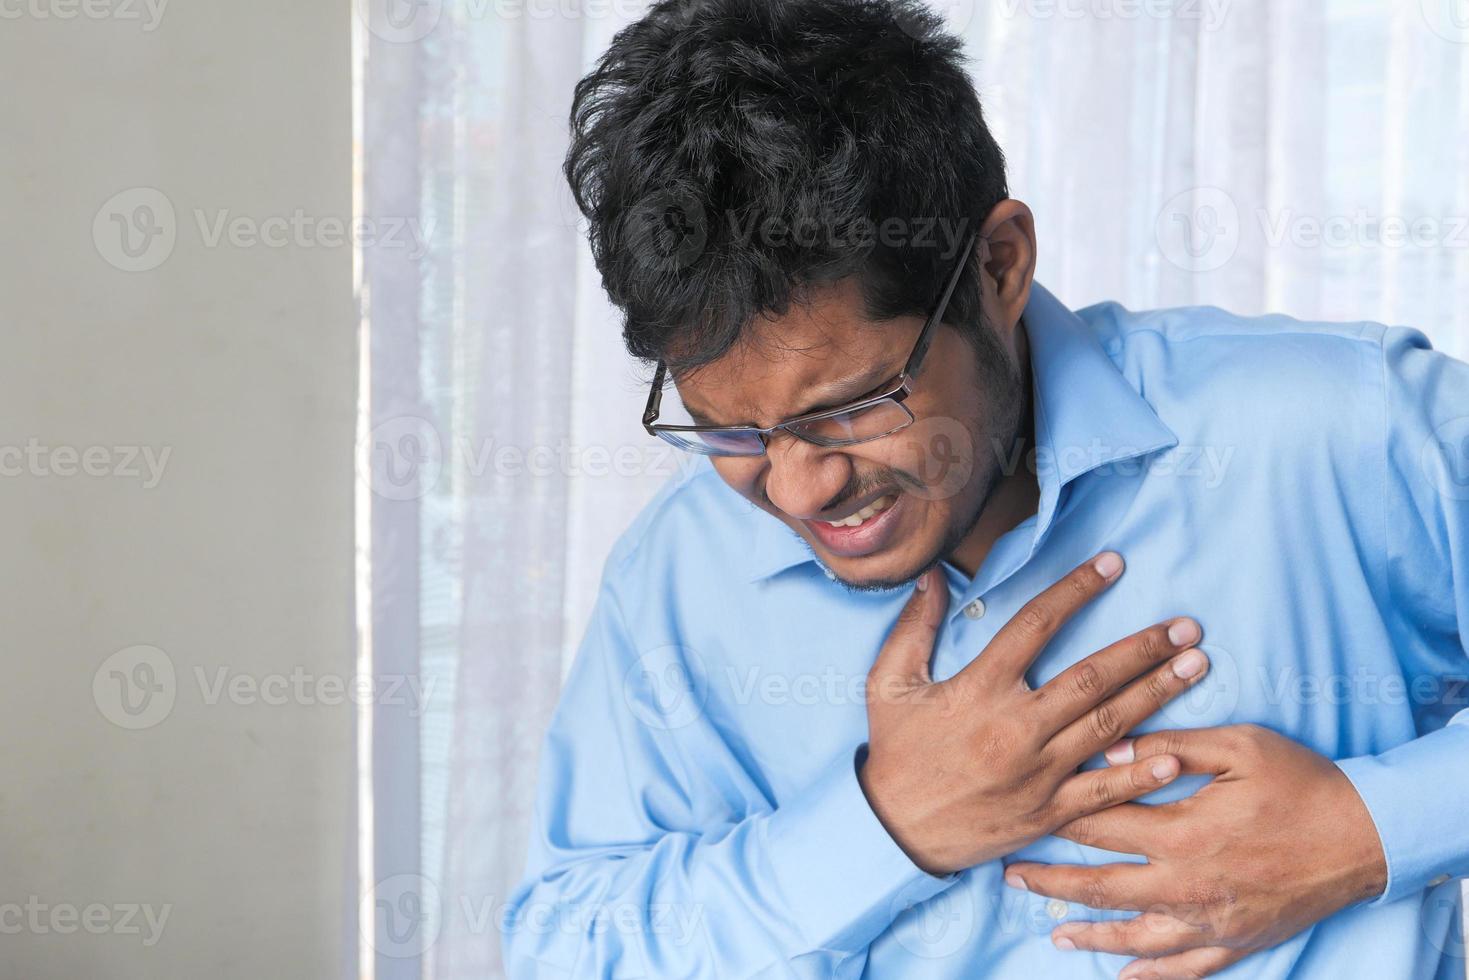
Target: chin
(883,571)
(887,552)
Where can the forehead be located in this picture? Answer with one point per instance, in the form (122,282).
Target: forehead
(821,342)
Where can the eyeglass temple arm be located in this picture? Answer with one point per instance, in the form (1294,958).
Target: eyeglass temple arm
(655,397)
(925,338)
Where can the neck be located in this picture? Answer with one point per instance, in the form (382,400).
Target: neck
(1015,495)
(1013,499)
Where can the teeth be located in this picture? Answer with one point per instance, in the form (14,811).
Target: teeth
(866,513)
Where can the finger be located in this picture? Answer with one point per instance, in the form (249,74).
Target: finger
(1123,886)
(1083,685)
(1020,640)
(1192,965)
(1109,721)
(906,653)
(1132,828)
(1202,751)
(1151,934)
(1086,793)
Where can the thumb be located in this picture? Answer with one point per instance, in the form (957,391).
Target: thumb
(1202,751)
(906,653)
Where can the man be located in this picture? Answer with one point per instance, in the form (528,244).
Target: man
(871,692)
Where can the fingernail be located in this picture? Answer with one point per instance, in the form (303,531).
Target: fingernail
(923,582)
(1190,664)
(1183,632)
(1014,880)
(1063,943)
(1164,770)
(1121,753)
(1108,565)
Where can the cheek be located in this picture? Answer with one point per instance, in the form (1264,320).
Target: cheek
(742,475)
(935,457)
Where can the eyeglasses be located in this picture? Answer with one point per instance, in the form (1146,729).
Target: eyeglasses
(866,419)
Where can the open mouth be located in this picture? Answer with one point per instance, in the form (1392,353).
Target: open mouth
(861,532)
(867,513)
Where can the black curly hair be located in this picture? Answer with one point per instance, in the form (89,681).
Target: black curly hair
(730,154)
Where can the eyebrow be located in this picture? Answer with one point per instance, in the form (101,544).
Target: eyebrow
(837,393)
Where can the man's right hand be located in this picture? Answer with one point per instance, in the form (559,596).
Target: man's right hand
(975,767)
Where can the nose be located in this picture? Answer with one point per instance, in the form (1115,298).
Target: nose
(803,478)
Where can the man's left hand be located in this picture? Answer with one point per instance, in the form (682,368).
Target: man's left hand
(1276,842)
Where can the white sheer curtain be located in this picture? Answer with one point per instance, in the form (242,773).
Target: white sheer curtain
(1311,159)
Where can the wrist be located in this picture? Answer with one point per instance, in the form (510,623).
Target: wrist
(1363,857)
(877,787)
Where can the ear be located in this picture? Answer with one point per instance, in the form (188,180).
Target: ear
(1008,261)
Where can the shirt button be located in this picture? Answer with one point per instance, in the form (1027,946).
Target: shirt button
(1056,909)
(975,609)
(1438,881)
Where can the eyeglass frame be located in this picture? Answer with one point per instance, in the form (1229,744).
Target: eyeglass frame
(897,392)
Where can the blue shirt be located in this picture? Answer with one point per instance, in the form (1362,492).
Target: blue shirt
(1302,489)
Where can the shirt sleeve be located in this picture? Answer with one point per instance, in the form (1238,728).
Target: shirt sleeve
(1418,792)
(654,853)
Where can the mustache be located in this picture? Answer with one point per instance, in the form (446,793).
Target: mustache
(860,485)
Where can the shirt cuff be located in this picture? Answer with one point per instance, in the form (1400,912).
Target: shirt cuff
(1418,795)
(843,876)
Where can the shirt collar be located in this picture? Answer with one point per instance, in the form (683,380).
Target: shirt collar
(1086,413)
(1086,416)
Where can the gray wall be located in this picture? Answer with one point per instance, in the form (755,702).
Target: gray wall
(229,814)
